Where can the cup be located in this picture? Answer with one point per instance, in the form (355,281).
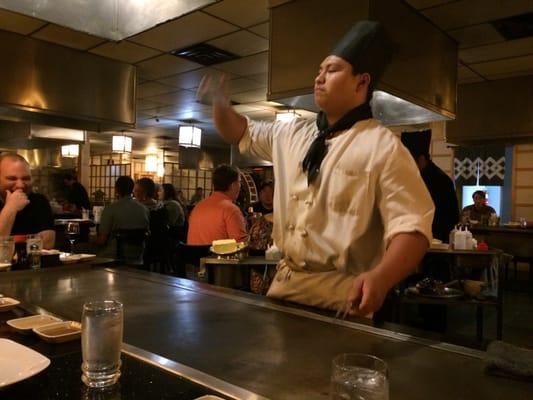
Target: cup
(357,376)
(7,248)
(101,341)
(34,245)
(523,222)
(84,214)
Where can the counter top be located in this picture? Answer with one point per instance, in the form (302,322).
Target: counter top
(265,347)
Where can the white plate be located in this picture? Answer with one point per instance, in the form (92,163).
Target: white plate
(26,324)
(59,332)
(71,258)
(7,303)
(19,362)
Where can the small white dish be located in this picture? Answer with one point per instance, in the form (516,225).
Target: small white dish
(71,258)
(19,362)
(7,303)
(59,332)
(26,324)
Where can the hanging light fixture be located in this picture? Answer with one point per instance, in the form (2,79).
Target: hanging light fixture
(150,163)
(121,144)
(286,116)
(189,136)
(70,150)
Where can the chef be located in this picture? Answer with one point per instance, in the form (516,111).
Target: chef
(352,214)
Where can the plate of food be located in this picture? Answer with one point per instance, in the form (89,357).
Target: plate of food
(59,332)
(226,247)
(7,303)
(18,362)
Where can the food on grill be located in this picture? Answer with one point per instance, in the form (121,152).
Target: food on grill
(225,246)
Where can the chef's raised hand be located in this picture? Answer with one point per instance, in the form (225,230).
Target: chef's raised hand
(367,294)
(16,200)
(213,89)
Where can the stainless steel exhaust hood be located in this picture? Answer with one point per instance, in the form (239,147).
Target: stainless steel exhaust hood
(53,85)
(418,86)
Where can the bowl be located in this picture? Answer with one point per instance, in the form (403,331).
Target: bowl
(473,288)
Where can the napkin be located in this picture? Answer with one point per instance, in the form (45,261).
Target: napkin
(507,360)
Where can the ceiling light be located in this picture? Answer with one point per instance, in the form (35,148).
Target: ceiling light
(70,150)
(286,116)
(114,20)
(150,163)
(121,144)
(189,136)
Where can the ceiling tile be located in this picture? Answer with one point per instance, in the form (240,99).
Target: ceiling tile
(194,28)
(125,51)
(163,66)
(242,108)
(250,96)
(18,23)
(466,75)
(469,12)
(241,12)
(421,4)
(145,105)
(512,48)
(507,67)
(178,97)
(183,107)
(242,43)
(476,35)
(67,37)
(242,85)
(264,115)
(261,29)
(251,65)
(148,89)
(199,115)
(191,79)
(261,78)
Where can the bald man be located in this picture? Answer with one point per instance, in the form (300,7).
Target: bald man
(22,211)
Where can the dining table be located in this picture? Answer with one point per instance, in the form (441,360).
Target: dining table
(238,344)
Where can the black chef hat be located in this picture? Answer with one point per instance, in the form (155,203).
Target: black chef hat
(417,142)
(367,48)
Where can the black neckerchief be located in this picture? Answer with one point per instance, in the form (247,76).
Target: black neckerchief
(318,149)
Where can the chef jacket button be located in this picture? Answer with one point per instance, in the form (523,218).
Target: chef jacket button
(304,233)
(294,197)
(291,227)
(308,202)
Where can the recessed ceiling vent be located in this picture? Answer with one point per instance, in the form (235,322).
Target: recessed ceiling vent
(190,121)
(205,54)
(517,27)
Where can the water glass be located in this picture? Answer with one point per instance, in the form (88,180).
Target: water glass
(7,248)
(357,376)
(101,341)
(34,245)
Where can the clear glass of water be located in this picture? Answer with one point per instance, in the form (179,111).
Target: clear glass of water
(101,340)
(357,376)
(34,245)
(7,248)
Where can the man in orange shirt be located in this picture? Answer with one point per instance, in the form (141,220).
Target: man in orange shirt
(218,217)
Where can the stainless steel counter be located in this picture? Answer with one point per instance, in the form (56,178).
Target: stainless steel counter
(262,346)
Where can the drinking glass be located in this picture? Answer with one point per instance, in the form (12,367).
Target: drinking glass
(73,230)
(34,246)
(101,341)
(7,248)
(358,376)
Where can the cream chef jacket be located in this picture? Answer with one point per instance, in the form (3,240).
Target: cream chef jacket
(368,190)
